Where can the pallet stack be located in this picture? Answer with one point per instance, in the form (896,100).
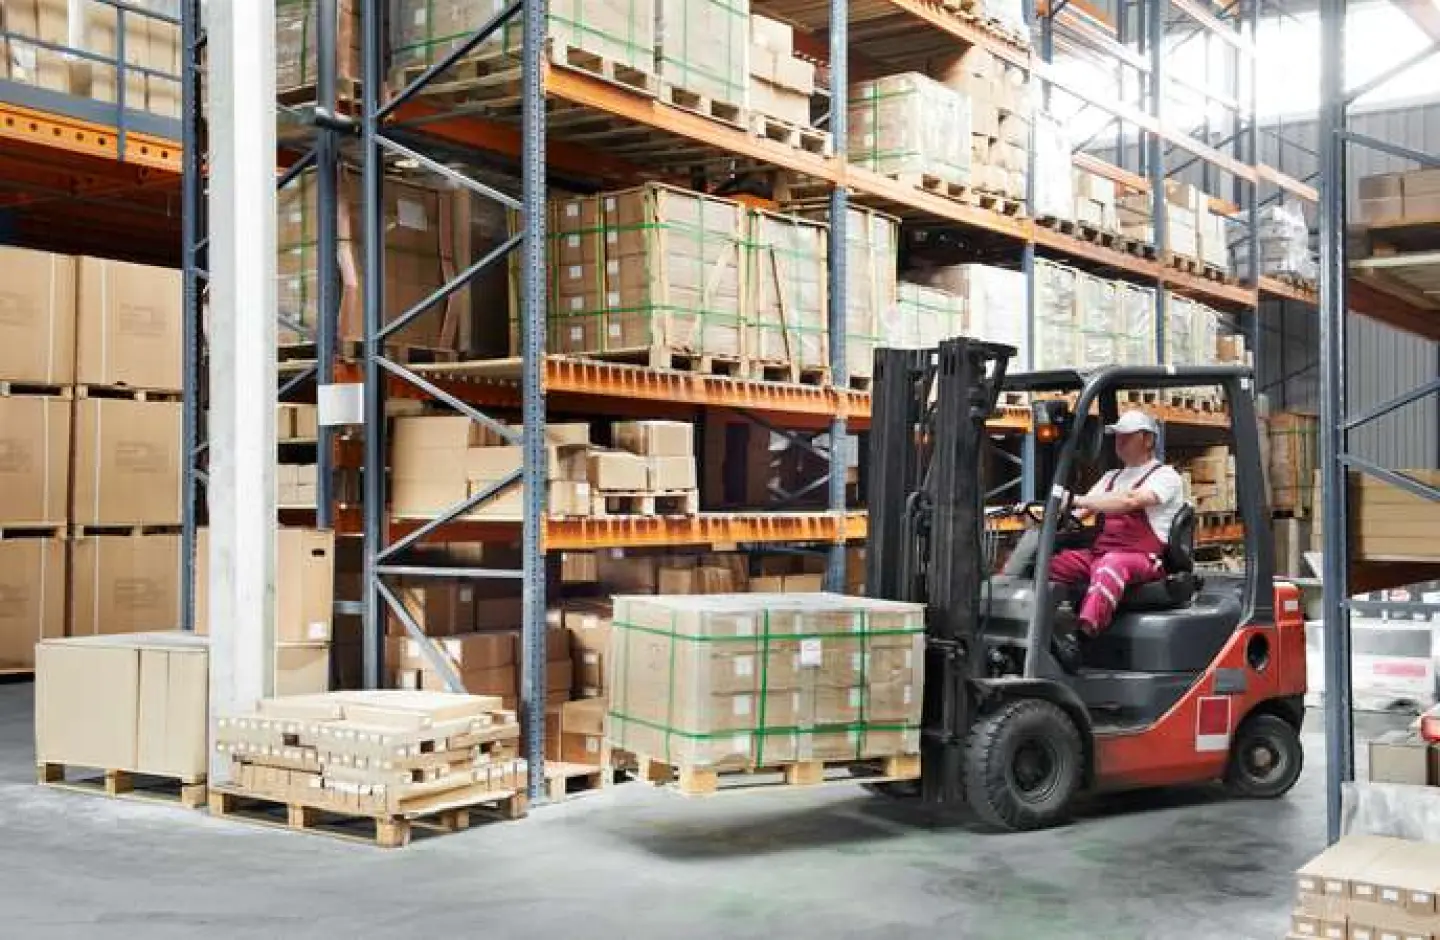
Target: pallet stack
(388,756)
(1368,888)
(297,68)
(913,129)
(781,86)
(89,387)
(93,27)
(743,682)
(703,51)
(996,95)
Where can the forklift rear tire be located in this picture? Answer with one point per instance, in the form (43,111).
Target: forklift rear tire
(1265,759)
(1023,765)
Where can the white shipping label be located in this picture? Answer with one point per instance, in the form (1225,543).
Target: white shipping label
(577,304)
(577,334)
(340,404)
(612,267)
(572,210)
(742,705)
(907,695)
(1390,895)
(744,626)
(740,743)
(592,745)
(610,204)
(575,272)
(467,595)
(859,662)
(590,658)
(856,696)
(572,241)
(412,215)
(744,666)
(420,12)
(613,329)
(612,238)
(318,630)
(812,652)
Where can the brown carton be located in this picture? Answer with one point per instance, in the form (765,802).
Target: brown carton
(127,462)
(618,471)
(655,438)
(34,460)
(124,584)
(304,585)
(671,473)
(128,325)
(467,652)
(302,668)
(32,596)
(37,316)
(136,703)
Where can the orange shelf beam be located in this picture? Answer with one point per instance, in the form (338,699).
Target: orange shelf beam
(659,531)
(71,136)
(1275,289)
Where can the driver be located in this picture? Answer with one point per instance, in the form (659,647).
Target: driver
(1138,503)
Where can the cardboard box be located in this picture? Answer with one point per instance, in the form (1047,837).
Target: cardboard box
(37,316)
(579,732)
(124,584)
(136,703)
(34,460)
(127,462)
(618,471)
(671,473)
(128,325)
(32,596)
(302,668)
(304,585)
(467,652)
(655,438)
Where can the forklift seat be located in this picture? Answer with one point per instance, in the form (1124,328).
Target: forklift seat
(1179,586)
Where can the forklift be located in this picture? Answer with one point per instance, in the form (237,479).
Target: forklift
(1199,678)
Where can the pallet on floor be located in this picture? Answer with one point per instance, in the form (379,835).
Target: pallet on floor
(799,136)
(566,781)
(606,504)
(187,791)
(442,812)
(127,393)
(726,112)
(704,781)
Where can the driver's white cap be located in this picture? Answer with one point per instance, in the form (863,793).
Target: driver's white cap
(1131,422)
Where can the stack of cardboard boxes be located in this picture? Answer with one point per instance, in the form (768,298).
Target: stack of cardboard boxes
(780,84)
(787,315)
(912,128)
(88,455)
(1294,456)
(439,461)
(297,38)
(703,51)
(1095,197)
(1210,480)
(1392,198)
(996,100)
(1368,887)
(743,681)
(151,45)
(1193,229)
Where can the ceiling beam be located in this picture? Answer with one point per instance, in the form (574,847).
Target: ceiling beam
(1425,14)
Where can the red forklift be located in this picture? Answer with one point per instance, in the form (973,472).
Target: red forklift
(1200,677)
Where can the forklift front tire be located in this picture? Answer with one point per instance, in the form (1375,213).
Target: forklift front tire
(1265,759)
(1023,765)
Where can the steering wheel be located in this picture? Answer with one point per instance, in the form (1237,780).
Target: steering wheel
(1069,522)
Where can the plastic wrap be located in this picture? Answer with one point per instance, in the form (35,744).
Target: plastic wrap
(908,125)
(1284,242)
(1054,180)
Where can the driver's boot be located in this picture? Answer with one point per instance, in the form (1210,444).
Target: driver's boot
(1066,640)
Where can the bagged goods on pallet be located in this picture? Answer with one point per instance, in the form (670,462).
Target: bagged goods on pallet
(703,47)
(297,35)
(422,32)
(742,681)
(787,313)
(431,235)
(910,127)
(1284,241)
(1055,288)
(1054,182)
(37,332)
(1098,337)
(373,752)
(780,84)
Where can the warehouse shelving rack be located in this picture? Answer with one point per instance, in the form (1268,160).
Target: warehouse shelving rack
(534,384)
(1340,293)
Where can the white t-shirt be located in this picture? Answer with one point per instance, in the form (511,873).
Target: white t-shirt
(1165,483)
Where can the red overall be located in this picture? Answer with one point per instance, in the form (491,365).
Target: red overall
(1126,552)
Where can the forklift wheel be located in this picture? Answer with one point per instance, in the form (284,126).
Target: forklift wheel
(1023,764)
(1266,758)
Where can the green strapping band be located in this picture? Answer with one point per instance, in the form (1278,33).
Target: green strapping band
(851,727)
(764,690)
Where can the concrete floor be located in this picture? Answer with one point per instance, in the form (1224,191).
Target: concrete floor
(635,862)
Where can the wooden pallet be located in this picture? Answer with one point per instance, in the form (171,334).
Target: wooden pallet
(301,355)
(860,383)
(1213,272)
(16,671)
(996,202)
(1183,263)
(606,504)
(346,90)
(566,781)
(14,387)
(608,70)
(772,370)
(443,812)
(704,781)
(127,393)
(799,136)
(1194,401)
(933,184)
(726,112)
(78,531)
(188,791)
(675,360)
(1131,396)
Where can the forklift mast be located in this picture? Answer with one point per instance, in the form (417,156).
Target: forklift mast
(926,514)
